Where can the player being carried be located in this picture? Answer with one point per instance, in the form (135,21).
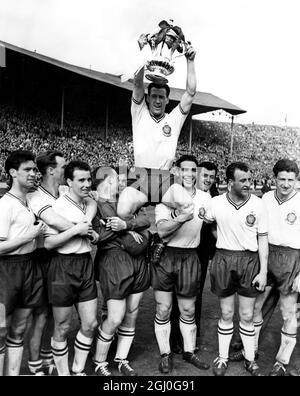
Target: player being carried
(155,137)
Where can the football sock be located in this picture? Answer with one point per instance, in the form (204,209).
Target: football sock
(14,354)
(61,354)
(225,333)
(247,333)
(81,350)
(188,330)
(162,330)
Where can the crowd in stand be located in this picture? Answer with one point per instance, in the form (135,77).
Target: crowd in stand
(259,145)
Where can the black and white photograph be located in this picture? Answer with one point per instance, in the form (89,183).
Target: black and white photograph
(149,257)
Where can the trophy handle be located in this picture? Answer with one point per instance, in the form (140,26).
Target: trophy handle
(186,44)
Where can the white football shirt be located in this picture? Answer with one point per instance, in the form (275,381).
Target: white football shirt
(188,235)
(284,219)
(70,210)
(238,225)
(16,219)
(155,141)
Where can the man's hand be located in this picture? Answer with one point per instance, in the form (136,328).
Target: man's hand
(136,236)
(260,281)
(190,52)
(296,284)
(142,41)
(185,213)
(37,230)
(116,224)
(84,228)
(94,195)
(94,237)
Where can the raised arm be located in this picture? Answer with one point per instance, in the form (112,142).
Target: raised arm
(191,81)
(138,79)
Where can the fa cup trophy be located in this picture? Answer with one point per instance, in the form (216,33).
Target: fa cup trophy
(166,43)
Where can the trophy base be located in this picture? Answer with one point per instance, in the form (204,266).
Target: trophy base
(156,78)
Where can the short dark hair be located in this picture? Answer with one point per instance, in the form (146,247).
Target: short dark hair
(16,158)
(47,159)
(159,86)
(209,166)
(186,157)
(75,165)
(285,165)
(232,168)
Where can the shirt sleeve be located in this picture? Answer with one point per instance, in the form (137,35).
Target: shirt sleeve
(137,109)
(38,204)
(5,221)
(178,116)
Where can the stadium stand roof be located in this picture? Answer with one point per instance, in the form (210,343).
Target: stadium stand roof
(203,102)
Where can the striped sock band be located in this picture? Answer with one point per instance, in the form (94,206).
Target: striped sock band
(83,343)
(101,336)
(11,343)
(161,322)
(126,332)
(35,365)
(60,352)
(46,354)
(2,349)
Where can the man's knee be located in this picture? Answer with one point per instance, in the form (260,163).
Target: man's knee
(163,311)
(62,328)
(88,327)
(115,320)
(227,314)
(187,312)
(246,315)
(288,313)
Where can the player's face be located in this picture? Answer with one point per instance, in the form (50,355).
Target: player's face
(285,183)
(241,184)
(188,173)
(206,179)
(25,176)
(81,183)
(157,102)
(60,169)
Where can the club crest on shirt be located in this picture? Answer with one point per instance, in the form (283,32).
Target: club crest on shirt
(250,220)
(167,130)
(201,213)
(291,218)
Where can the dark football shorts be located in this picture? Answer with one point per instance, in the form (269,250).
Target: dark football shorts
(42,257)
(21,284)
(121,274)
(71,279)
(283,267)
(154,183)
(233,272)
(179,270)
